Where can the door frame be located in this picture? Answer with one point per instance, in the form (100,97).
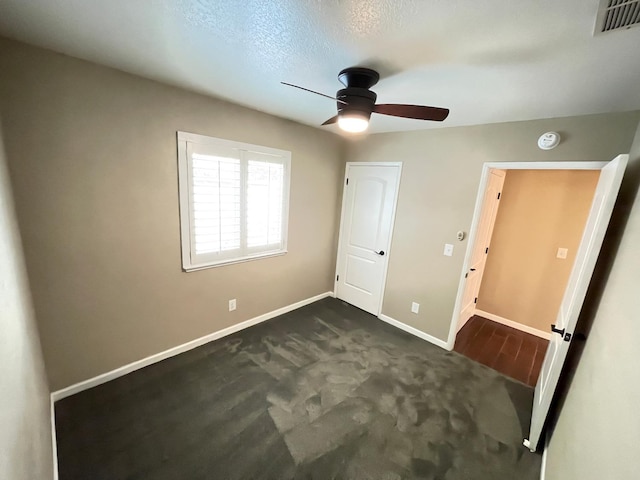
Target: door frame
(478,210)
(385,268)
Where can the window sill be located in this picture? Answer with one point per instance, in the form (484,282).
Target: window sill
(195,268)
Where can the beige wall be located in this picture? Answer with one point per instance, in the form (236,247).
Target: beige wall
(598,431)
(25,422)
(92,158)
(438,190)
(540,211)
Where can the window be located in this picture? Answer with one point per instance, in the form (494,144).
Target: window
(234,201)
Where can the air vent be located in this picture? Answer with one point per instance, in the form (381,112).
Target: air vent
(617,15)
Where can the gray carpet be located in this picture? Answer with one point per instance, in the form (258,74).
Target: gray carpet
(324,392)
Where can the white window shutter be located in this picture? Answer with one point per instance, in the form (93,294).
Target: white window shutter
(265,207)
(233,200)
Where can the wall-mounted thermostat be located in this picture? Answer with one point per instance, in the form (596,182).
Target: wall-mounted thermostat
(549,140)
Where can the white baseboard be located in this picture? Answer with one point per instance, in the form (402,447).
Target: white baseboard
(543,464)
(414,331)
(512,324)
(132,367)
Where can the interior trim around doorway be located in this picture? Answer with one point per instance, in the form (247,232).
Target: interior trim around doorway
(476,218)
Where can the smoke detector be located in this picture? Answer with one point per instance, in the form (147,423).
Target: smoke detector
(616,15)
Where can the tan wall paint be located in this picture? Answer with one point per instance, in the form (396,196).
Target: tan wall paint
(440,179)
(540,211)
(598,431)
(25,422)
(92,157)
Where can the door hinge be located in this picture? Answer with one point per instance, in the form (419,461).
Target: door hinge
(475,300)
(499,195)
(337,277)
(466,275)
(486,250)
(347,181)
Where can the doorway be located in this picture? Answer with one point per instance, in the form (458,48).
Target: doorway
(524,258)
(600,210)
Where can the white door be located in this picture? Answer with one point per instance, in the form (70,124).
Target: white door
(481,244)
(368,210)
(595,229)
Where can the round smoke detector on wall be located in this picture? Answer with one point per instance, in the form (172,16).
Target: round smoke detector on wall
(549,140)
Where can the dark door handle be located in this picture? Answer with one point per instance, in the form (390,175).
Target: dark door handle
(472,269)
(557,330)
(381,253)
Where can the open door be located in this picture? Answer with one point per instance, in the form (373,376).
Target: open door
(481,244)
(588,251)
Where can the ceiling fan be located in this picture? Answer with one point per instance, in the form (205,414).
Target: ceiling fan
(356,102)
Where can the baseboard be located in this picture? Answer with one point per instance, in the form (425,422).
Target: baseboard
(512,324)
(132,367)
(54,443)
(414,331)
(543,464)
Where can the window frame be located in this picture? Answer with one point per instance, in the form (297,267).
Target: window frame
(189,261)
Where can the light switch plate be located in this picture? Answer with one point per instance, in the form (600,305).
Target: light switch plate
(415,307)
(448,249)
(562,253)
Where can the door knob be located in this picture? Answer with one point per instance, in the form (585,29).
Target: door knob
(381,252)
(472,269)
(557,330)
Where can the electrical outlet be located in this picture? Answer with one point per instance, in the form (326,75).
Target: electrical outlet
(562,253)
(232,305)
(415,307)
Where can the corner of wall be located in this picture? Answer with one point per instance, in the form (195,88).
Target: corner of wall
(25,442)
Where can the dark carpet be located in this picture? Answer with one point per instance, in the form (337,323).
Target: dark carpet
(324,392)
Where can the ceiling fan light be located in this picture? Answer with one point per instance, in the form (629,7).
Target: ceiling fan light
(353,122)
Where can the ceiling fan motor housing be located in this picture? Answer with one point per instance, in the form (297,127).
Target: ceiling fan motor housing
(358,77)
(356,99)
(357,96)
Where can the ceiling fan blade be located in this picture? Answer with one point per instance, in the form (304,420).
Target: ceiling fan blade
(313,91)
(419,112)
(331,120)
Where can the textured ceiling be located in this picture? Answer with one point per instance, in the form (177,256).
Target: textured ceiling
(488,61)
